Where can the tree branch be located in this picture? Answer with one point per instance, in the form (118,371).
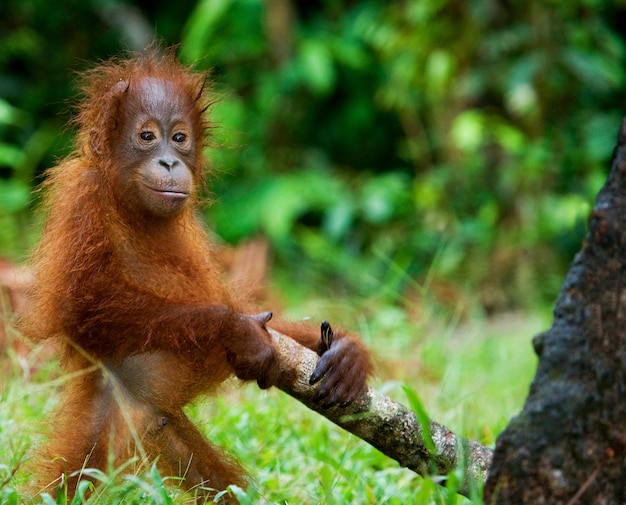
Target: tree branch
(388,426)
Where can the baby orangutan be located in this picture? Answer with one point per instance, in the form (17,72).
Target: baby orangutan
(128,287)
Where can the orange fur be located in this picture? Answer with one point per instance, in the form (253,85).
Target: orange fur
(137,304)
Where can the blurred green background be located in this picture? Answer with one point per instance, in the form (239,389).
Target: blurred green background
(386,148)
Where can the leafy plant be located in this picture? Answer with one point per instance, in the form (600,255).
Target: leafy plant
(414,135)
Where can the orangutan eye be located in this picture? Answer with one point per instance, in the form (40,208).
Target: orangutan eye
(147,136)
(179,137)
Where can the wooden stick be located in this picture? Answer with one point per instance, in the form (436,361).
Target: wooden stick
(388,426)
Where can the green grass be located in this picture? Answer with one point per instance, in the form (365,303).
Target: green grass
(470,376)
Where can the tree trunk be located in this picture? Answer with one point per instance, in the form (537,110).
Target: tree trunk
(567,445)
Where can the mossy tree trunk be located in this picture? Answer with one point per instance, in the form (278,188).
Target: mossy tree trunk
(567,445)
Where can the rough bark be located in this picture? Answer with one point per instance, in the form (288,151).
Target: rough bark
(567,445)
(390,427)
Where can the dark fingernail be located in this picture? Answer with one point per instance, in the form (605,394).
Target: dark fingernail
(327,336)
(329,404)
(315,377)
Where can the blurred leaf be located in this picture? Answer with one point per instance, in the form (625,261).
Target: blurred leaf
(422,416)
(598,144)
(14,195)
(291,196)
(383,196)
(340,217)
(201,27)
(439,72)
(10,115)
(8,496)
(46,499)
(349,52)
(10,155)
(317,66)
(242,497)
(593,69)
(467,132)
(508,136)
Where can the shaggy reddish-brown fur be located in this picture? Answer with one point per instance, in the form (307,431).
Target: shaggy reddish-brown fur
(137,305)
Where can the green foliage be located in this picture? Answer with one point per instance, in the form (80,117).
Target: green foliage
(422,417)
(465,137)
(376,132)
